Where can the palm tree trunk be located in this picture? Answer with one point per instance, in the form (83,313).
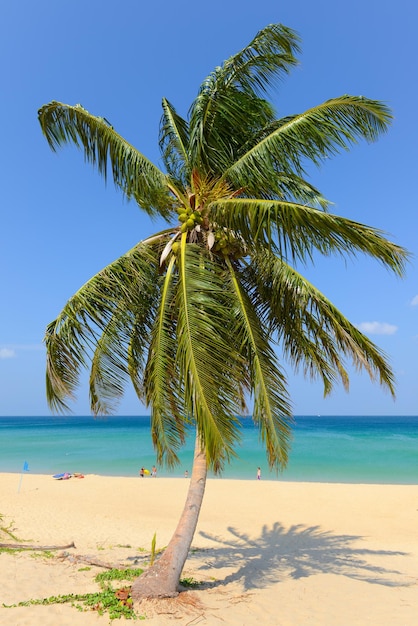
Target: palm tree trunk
(162,579)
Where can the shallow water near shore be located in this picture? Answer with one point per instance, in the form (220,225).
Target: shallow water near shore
(355,449)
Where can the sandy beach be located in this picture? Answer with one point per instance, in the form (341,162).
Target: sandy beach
(267,552)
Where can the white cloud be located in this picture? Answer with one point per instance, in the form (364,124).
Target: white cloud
(377,328)
(12,350)
(7,353)
(414,301)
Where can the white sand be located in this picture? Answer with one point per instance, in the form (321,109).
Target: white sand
(272,553)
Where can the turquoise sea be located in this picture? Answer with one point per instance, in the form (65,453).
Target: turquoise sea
(324,448)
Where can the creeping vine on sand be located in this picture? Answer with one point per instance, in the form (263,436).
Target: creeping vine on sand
(116,602)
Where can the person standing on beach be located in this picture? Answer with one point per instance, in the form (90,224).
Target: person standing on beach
(258,473)
(154,471)
(142,472)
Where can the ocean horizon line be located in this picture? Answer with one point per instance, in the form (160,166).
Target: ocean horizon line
(244,416)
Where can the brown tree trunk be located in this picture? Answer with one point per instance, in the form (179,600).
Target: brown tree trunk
(161,580)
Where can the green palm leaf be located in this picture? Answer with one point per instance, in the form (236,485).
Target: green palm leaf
(95,326)
(173,140)
(162,382)
(265,60)
(312,136)
(267,383)
(228,97)
(294,231)
(311,331)
(211,368)
(138,177)
(108,370)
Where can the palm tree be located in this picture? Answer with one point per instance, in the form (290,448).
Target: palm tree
(196,315)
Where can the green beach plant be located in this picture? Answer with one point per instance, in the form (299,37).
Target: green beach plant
(204,316)
(117,603)
(190,583)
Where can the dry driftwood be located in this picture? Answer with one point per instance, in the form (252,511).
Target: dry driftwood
(28,546)
(78,558)
(91,560)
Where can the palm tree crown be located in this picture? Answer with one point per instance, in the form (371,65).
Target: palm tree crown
(192,315)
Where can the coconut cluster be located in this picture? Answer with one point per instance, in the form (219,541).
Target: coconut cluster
(227,244)
(223,242)
(189,219)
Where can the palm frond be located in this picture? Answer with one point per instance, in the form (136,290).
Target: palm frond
(97,321)
(312,332)
(162,382)
(294,231)
(63,364)
(228,98)
(291,188)
(133,173)
(285,187)
(264,61)
(108,368)
(314,135)
(267,382)
(211,368)
(173,140)
(237,119)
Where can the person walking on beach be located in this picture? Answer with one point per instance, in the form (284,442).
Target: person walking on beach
(258,473)
(142,472)
(154,471)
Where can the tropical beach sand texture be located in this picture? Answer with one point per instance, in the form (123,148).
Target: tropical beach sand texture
(271,553)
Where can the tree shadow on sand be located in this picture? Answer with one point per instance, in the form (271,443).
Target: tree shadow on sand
(296,552)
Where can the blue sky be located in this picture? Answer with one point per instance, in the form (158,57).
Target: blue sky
(60,224)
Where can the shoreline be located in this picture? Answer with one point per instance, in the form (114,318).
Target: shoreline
(271,552)
(264,479)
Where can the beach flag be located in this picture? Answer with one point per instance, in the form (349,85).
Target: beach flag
(24,469)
